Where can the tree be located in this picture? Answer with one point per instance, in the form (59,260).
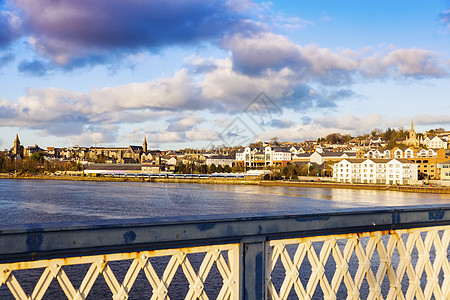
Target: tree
(346,138)
(376,132)
(287,171)
(212,168)
(256,145)
(388,135)
(38,156)
(333,138)
(203,169)
(402,133)
(337,138)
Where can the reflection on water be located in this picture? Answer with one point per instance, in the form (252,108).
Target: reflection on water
(28,201)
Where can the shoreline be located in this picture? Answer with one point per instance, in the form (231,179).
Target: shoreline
(235,181)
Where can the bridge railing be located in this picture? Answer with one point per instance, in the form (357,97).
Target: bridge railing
(390,253)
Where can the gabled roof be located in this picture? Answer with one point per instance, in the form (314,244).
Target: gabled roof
(136,148)
(402,160)
(303,154)
(355,160)
(332,154)
(379,160)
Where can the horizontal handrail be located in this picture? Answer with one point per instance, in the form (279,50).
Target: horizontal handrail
(56,240)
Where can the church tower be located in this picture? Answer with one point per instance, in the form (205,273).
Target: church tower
(16,148)
(144,145)
(412,140)
(412,133)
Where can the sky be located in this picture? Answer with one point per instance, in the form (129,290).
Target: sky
(206,73)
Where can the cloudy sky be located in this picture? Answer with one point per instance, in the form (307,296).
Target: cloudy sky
(204,73)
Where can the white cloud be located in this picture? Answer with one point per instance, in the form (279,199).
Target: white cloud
(202,134)
(258,53)
(168,93)
(184,123)
(92,135)
(320,127)
(351,123)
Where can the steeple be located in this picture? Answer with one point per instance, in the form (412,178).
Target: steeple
(16,148)
(144,145)
(412,125)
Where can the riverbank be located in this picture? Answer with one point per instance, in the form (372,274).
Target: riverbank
(239,181)
(356,186)
(140,179)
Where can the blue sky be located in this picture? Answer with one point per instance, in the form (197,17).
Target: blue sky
(205,73)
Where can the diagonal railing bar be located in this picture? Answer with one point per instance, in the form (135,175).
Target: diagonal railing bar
(140,261)
(394,263)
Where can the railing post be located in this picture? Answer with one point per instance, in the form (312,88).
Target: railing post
(254,269)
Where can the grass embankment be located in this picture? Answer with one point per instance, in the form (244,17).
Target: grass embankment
(237,181)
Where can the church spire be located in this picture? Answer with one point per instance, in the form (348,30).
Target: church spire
(144,145)
(16,148)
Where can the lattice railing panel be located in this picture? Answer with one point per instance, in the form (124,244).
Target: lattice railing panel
(399,264)
(224,257)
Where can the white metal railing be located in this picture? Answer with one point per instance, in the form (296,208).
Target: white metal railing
(376,260)
(378,254)
(100,265)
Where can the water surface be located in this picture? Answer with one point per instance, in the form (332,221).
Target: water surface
(31,201)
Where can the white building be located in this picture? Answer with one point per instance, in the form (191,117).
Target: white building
(435,142)
(383,171)
(264,156)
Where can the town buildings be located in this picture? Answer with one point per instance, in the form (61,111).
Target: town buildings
(427,152)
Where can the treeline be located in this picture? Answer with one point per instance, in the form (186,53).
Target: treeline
(35,164)
(293,170)
(389,135)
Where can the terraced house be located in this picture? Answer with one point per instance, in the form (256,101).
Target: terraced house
(375,170)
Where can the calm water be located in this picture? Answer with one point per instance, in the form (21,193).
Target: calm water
(30,201)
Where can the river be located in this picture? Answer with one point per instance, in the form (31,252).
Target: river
(38,201)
